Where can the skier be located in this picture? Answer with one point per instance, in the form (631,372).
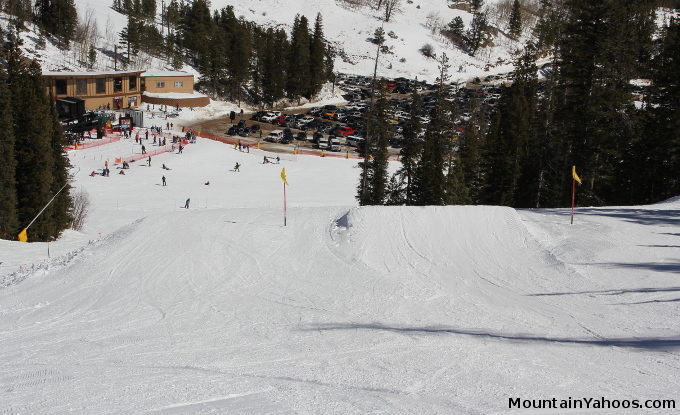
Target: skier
(186,205)
(236,167)
(164,184)
(143,149)
(149,161)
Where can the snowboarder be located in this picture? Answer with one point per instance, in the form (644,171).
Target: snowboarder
(164,184)
(186,205)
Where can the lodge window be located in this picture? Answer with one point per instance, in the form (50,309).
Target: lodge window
(81,86)
(133,83)
(160,84)
(179,84)
(118,84)
(101,85)
(61,86)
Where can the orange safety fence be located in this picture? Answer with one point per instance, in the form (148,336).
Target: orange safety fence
(160,150)
(95,142)
(253,145)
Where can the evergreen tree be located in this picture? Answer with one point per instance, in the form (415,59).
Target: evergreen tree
(471,145)
(455,190)
(60,208)
(430,184)
(653,161)
(411,147)
(33,128)
(511,132)
(9,227)
(455,31)
(515,23)
(396,191)
(130,38)
(317,52)
(148,10)
(476,36)
(598,54)
(372,188)
(299,60)
(59,18)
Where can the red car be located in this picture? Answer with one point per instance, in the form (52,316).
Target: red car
(347,130)
(279,119)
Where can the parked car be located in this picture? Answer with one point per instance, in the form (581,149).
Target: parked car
(287,135)
(245,132)
(347,130)
(275,136)
(269,117)
(302,136)
(334,144)
(258,115)
(278,120)
(255,128)
(354,140)
(323,143)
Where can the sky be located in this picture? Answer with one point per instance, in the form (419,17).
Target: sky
(221,309)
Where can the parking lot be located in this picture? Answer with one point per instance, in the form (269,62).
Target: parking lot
(348,119)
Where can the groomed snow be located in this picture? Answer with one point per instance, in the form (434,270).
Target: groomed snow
(347,310)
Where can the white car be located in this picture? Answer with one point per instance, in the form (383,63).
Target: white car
(323,143)
(269,117)
(354,140)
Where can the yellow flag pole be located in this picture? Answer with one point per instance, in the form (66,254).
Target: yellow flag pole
(285,182)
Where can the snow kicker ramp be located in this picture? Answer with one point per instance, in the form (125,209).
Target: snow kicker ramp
(437,310)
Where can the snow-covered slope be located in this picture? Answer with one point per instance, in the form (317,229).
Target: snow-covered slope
(347,310)
(348,29)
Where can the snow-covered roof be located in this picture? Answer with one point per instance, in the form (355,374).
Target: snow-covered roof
(173,95)
(165,73)
(95,73)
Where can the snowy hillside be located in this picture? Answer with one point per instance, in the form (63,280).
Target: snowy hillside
(347,310)
(348,29)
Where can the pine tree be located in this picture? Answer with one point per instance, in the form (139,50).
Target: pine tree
(372,188)
(508,140)
(455,190)
(317,52)
(599,54)
(455,31)
(299,60)
(430,184)
(59,209)
(476,36)
(35,163)
(59,18)
(653,160)
(515,23)
(9,226)
(411,147)
(471,145)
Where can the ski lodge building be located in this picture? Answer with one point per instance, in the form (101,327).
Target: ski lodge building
(125,89)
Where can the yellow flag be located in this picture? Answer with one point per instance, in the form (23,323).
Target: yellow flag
(574,175)
(23,237)
(283,176)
